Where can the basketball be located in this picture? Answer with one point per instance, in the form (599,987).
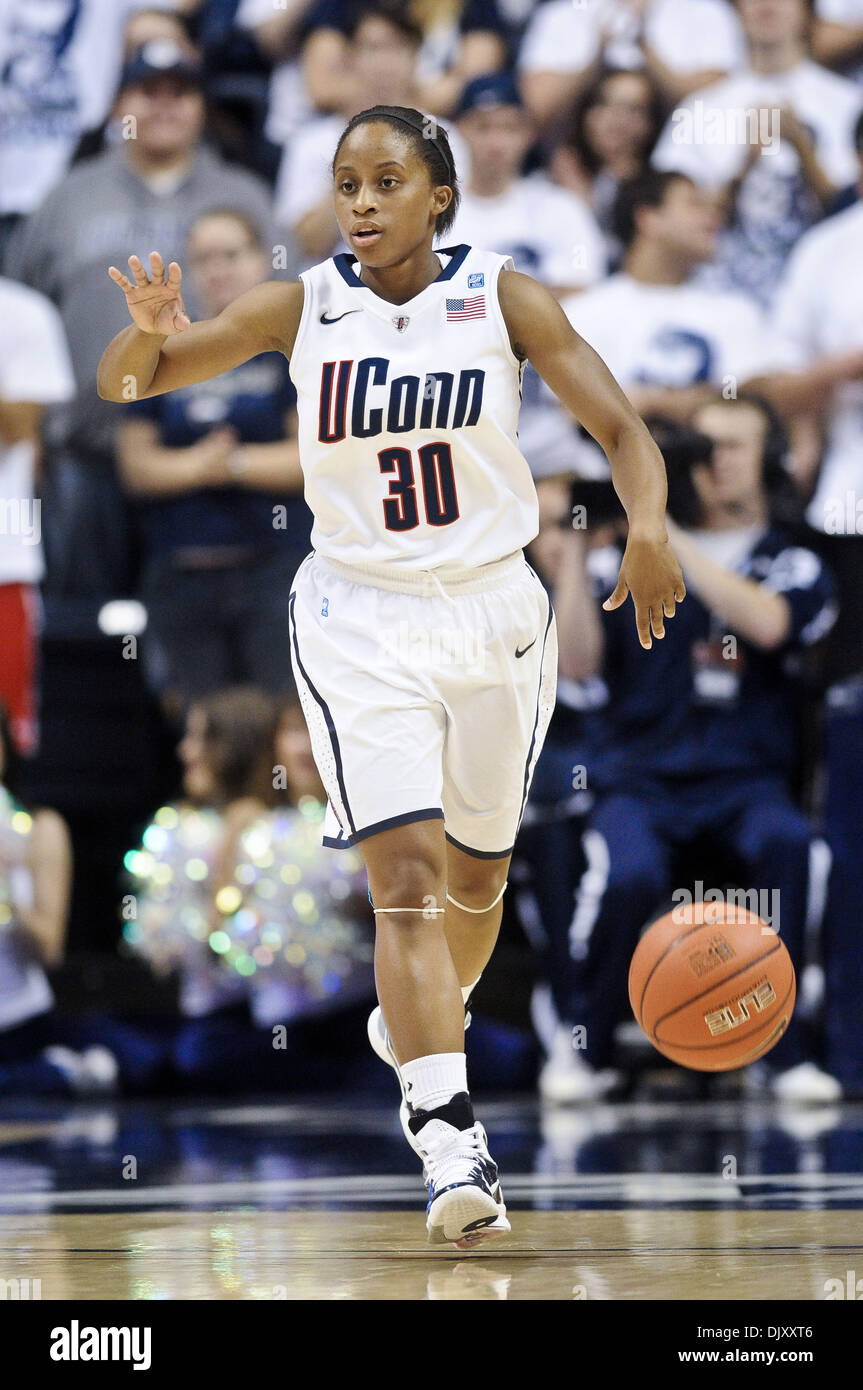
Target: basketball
(712,986)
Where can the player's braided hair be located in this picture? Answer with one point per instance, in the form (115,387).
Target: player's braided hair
(429,140)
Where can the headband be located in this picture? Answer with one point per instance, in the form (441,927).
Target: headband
(418,123)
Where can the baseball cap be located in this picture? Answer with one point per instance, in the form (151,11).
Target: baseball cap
(492,89)
(159,58)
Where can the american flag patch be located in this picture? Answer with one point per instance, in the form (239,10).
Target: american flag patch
(459,309)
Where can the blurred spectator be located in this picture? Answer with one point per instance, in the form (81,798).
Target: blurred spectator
(59,65)
(549,232)
(208,923)
(35,371)
(669,341)
(382,54)
(819,333)
(35,885)
(548,860)
(309,42)
(776,140)
(682,44)
(701,743)
(459,41)
(837,36)
(142,195)
(215,470)
(609,140)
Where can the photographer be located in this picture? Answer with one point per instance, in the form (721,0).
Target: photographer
(702,737)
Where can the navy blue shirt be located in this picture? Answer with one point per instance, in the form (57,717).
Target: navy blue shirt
(698,704)
(342,14)
(254,399)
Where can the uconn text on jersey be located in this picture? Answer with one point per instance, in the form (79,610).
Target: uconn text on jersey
(357,398)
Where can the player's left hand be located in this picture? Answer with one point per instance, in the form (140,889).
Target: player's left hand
(650,573)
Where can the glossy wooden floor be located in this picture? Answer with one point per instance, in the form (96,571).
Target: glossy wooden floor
(322,1199)
(326,1255)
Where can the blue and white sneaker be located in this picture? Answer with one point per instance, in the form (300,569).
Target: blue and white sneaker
(465,1202)
(379,1040)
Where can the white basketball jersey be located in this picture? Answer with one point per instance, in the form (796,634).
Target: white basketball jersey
(408,418)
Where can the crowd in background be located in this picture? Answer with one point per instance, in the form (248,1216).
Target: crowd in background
(686,177)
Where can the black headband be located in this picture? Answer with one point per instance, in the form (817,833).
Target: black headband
(418,123)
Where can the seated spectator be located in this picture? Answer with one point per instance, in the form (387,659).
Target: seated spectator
(609,141)
(459,41)
(837,36)
(549,232)
(35,371)
(148,191)
(215,472)
(774,140)
(35,887)
(383,54)
(548,860)
(702,742)
(682,44)
(819,345)
(670,342)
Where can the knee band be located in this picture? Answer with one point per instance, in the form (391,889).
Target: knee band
(462,907)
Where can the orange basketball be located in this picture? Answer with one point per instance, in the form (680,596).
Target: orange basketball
(712,986)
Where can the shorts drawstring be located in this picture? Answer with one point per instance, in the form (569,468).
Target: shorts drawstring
(440,586)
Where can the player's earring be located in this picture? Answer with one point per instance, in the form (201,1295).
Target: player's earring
(462,907)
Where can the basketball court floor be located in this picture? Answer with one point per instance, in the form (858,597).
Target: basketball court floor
(656,1198)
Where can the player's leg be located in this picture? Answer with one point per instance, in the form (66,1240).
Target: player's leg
(421,1001)
(417,982)
(474,909)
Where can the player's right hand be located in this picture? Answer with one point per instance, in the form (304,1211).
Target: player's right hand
(154,301)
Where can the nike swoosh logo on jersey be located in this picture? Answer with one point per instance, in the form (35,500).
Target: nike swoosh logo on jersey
(324,318)
(525,649)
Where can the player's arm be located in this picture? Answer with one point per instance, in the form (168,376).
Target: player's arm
(540,331)
(162,350)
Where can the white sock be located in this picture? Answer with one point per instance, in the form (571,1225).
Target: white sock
(467,990)
(434,1080)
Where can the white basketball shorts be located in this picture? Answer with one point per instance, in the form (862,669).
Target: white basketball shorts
(425,697)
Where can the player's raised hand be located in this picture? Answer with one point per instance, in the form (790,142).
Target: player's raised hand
(154,301)
(650,573)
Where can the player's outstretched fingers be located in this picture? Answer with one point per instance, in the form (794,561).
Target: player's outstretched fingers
(137,268)
(618,597)
(642,623)
(120,279)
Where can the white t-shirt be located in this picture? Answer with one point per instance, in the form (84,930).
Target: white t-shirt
(664,335)
(688,35)
(818,312)
(671,335)
(549,233)
(60,61)
(700,138)
(34,366)
(709,137)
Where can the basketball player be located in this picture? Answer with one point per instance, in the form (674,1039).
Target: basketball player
(424,646)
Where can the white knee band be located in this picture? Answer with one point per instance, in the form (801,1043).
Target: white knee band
(462,907)
(427,911)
